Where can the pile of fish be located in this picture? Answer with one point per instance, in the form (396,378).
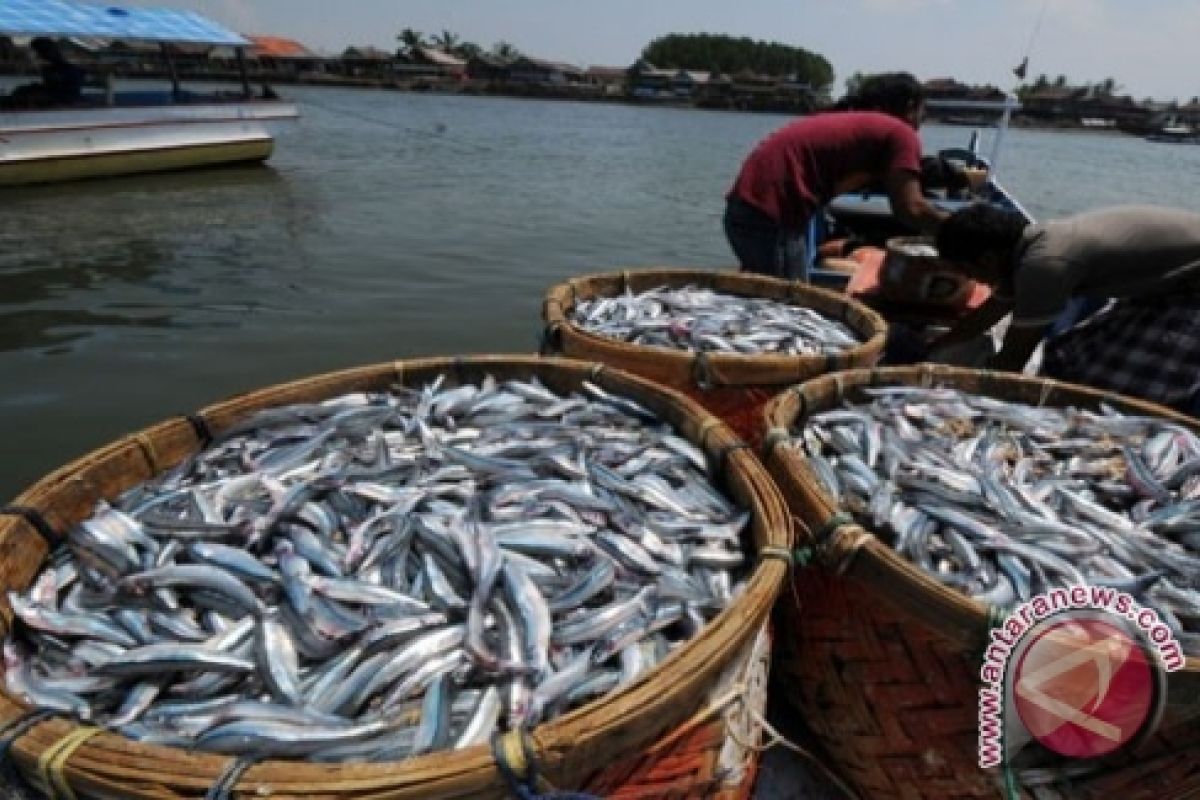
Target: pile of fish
(701,320)
(1004,501)
(382,575)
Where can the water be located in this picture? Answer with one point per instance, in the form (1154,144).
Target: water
(388,226)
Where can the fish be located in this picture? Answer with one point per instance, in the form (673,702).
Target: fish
(694,319)
(384,574)
(1003,500)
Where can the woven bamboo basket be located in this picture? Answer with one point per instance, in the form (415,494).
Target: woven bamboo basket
(732,386)
(883,662)
(57,756)
(714,755)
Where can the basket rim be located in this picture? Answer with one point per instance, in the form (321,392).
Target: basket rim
(731,629)
(874,327)
(896,574)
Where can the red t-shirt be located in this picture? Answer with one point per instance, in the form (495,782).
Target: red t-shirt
(807,163)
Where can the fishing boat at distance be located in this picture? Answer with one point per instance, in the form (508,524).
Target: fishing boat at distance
(105,132)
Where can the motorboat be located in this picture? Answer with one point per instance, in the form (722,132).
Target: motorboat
(107,132)
(867,216)
(922,297)
(1175,133)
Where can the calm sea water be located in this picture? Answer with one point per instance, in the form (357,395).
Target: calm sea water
(388,226)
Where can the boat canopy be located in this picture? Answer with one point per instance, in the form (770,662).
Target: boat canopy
(70,18)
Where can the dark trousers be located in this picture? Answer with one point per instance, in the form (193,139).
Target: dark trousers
(761,245)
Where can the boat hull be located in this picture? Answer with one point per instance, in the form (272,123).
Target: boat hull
(53,146)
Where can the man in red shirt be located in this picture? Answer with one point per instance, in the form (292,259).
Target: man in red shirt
(795,171)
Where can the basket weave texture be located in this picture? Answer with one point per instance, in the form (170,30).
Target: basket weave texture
(883,662)
(567,750)
(732,386)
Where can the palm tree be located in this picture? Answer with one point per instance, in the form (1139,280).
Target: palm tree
(506,51)
(445,41)
(411,40)
(468,50)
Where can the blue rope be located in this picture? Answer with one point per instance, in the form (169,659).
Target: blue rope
(526,789)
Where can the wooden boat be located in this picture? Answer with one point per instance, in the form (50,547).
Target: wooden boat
(108,132)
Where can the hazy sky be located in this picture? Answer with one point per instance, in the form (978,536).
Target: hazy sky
(1148,46)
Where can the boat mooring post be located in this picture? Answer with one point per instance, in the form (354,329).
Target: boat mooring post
(241,62)
(171,71)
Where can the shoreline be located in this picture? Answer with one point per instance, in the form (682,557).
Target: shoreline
(591,93)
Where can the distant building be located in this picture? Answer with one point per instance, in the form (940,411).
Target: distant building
(367,62)
(442,63)
(608,77)
(541,72)
(488,67)
(275,54)
(649,82)
(688,83)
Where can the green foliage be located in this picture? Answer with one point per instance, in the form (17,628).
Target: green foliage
(730,56)
(410,39)
(506,50)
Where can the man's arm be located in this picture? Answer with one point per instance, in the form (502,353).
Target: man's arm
(976,323)
(1019,343)
(909,203)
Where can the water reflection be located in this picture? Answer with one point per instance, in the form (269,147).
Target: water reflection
(31,279)
(53,328)
(185,181)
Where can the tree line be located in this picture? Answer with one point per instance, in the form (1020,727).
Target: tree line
(728,55)
(715,53)
(450,42)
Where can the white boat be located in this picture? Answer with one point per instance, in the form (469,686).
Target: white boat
(1174,132)
(107,132)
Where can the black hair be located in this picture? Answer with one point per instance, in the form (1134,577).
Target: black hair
(979,229)
(892,93)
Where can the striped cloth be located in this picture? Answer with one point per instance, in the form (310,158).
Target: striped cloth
(1146,347)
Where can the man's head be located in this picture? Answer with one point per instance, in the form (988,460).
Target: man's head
(981,239)
(895,93)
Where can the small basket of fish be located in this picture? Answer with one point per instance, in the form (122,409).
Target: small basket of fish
(1001,570)
(437,578)
(729,340)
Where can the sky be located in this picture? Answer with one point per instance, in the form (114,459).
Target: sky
(1147,46)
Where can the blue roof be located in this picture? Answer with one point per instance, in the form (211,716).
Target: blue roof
(69,18)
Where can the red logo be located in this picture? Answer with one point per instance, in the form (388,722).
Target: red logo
(1085,687)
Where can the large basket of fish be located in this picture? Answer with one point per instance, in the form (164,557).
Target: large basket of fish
(729,340)
(1000,591)
(436,578)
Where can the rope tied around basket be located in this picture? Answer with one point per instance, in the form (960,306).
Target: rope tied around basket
(773,438)
(9,734)
(234,771)
(702,372)
(201,427)
(149,452)
(551,339)
(52,762)
(739,694)
(514,756)
(835,543)
(37,521)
